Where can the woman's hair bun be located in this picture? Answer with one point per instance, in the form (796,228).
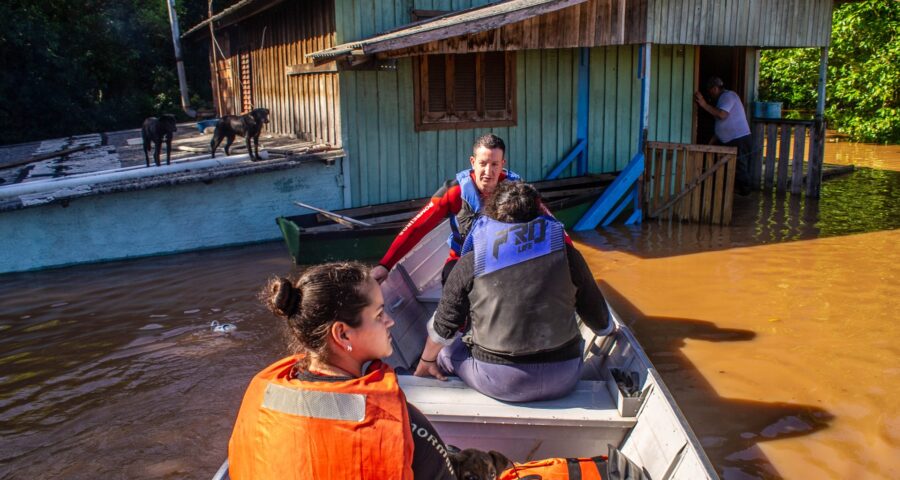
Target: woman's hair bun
(287,298)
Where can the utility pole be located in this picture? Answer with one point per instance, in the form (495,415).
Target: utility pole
(179,62)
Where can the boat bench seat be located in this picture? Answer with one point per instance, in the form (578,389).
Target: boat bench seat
(453,401)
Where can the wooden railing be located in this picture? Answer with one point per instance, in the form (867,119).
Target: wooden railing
(689,182)
(780,148)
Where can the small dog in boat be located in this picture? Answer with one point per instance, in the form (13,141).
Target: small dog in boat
(472,464)
(157,130)
(248,125)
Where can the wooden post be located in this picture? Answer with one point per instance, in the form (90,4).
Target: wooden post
(797,165)
(759,130)
(729,190)
(784,155)
(718,197)
(771,140)
(817,148)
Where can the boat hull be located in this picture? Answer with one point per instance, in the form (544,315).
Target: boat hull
(311,239)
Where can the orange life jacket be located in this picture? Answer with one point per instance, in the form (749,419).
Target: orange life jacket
(293,429)
(558,469)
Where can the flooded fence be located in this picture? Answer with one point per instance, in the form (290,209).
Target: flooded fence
(688,182)
(780,149)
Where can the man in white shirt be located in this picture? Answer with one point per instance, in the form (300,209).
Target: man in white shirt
(732,129)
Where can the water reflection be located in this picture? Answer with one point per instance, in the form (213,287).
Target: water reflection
(866,200)
(811,387)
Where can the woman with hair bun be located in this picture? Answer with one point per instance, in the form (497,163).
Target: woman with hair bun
(333,409)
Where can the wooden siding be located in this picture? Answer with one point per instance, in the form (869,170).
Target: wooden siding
(759,23)
(390,161)
(589,24)
(615,102)
(671,93)
(305,105)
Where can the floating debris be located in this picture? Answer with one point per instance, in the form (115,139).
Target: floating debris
(191,311)
(222,327)
(60,304)
(152,326)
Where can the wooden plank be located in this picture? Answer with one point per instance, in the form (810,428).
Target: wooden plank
(814,174)
(666,176)
(706,208)
(729,190)
(679,180)
(659,157)
(756,162)
(797,163)
(662,75)
(533,120)
(783,157)
(718,195)
(566,107)
(610,126)
(624,120)
(771,142)
(677,115)
(696,193)
(309,68)
(549,113)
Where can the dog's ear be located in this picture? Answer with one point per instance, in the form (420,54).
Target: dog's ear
(457,458)
(500,461)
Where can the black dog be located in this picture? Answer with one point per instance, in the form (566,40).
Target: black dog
(472,464)
(248,126)
(157,130)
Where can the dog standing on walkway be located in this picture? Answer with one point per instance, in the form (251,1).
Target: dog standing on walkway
(155,131)
(248,125)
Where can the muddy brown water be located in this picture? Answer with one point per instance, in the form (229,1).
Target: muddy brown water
(777,336)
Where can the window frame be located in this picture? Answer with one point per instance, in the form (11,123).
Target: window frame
(450,119)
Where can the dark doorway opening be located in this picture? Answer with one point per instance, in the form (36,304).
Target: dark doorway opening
(727,63)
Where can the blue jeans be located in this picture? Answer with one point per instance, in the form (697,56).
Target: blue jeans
(525,382)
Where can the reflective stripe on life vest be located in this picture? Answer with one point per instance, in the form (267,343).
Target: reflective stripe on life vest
(292,429)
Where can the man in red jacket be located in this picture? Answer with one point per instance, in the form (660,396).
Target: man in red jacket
(459,199)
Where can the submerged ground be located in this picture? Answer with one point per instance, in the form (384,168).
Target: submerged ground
(777,336)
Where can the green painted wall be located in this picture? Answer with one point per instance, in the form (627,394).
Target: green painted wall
(671,93)
(390,161)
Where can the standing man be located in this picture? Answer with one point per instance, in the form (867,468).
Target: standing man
(732,129)
(460,199)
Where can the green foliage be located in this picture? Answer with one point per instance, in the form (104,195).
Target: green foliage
(863,94)
(76,66)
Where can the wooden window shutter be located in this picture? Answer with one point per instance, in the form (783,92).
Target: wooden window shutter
(472,90)
(465,83)
(494,78)
(437,84)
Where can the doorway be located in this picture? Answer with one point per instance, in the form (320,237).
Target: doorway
(727,63)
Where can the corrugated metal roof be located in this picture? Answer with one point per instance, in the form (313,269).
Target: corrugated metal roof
(234,9)
(453,24)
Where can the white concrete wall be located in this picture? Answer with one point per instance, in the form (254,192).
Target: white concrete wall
(164,220)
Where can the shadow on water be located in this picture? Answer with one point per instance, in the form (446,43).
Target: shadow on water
(867,200)
(730,430)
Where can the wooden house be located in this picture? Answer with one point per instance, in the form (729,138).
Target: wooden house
(405,86)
